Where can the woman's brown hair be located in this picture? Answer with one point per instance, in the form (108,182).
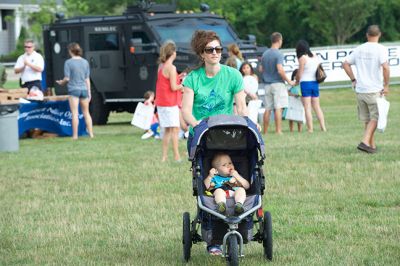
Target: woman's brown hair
(75,49)
(148,94)
(166,51)
(200,39)
(234,49)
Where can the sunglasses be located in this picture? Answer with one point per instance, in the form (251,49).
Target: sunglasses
(28,46)
(210,50)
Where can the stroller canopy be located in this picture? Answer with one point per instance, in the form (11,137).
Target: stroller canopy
(226,132)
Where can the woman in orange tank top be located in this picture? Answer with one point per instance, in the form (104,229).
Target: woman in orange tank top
(167,99)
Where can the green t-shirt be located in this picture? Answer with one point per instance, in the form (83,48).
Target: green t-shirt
(213,96)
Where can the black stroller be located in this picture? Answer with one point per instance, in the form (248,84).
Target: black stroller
(239,137)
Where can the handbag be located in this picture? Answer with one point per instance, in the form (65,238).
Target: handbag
(295,110)
(320,75)
(383,110)
(143,116)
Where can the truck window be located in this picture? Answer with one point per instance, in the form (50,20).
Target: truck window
(182,31)
(103,42)
(141,37)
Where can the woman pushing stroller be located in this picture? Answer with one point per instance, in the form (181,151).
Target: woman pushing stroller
(209,94)
(209,90)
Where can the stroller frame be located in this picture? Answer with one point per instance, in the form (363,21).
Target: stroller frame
(232,242)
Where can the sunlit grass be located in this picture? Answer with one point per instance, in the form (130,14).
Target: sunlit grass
(109,200)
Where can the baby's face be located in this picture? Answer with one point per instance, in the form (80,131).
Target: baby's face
(225,166)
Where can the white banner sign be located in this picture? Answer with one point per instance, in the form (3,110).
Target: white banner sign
(332,58)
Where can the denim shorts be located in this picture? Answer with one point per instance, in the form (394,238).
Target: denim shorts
(81,94)
(309,89)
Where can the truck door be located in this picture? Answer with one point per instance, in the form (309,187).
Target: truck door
(104,52)
(57,51)
(141,61)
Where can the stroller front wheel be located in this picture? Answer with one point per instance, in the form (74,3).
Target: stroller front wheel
(186,237)
(233,251)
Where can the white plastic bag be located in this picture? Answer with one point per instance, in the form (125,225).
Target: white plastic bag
(295,110)
(383,110)
(143,116)
(253,107)
(250,84)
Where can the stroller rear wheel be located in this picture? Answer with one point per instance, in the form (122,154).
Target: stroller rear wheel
(233,251)
(186,237)
(267,237)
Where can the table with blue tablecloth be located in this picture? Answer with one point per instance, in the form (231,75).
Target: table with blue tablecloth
(50,116)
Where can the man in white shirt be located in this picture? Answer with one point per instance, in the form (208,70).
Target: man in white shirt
(30,65)
(371,81)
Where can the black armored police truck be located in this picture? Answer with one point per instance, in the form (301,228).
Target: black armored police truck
(123,50)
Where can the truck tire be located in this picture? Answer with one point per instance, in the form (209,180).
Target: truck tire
(98,110)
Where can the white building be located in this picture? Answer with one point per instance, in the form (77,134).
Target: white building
(10,30)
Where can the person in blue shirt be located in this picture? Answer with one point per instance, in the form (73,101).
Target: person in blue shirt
(77,79)
(224,181)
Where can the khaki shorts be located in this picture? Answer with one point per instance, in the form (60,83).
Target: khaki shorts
(367,107)
(276,96)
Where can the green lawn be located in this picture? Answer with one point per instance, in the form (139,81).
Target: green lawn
(11,84)
(109,200)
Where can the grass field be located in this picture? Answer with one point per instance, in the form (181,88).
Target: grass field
(109,200)
(11,84)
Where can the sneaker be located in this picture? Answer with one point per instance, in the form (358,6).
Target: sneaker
(157,136)
(214,250)
(221,208)
(147,135)
(239,208)
(365,148)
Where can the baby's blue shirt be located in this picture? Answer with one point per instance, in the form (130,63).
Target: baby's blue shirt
(220,180)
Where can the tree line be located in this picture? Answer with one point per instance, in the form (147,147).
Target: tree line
(320,22)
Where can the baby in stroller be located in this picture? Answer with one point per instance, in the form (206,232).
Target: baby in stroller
(224,181)
(227,154)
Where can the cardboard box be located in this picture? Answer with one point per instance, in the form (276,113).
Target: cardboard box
(6,98)
(10,96)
